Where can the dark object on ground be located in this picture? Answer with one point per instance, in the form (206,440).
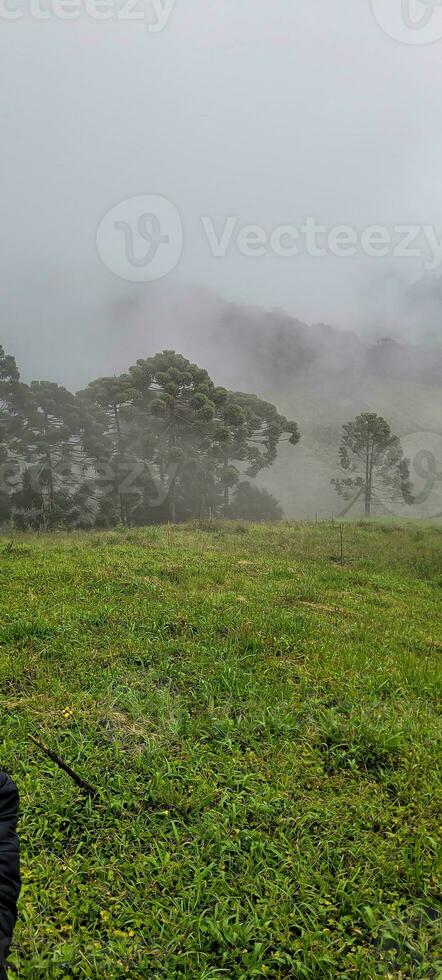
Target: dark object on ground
(9,866)
(90,790)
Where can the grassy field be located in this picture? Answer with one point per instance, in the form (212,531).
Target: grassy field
(262,723)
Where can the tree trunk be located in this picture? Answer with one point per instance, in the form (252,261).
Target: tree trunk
(123,513)
(173,442)
(49,466)
(226,500)
(203,506)
(50,482)
(172,499)
(367,481)
(370,480)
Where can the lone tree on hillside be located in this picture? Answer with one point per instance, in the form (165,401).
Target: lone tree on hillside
(369,454)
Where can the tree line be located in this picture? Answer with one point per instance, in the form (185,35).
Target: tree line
(161,443)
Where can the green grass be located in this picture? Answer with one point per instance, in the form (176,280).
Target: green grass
(262,724)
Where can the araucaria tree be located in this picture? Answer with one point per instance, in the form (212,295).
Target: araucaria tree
(176,408)
(205,438)
(107,443)
(248,433)
(50,450)
(371,457)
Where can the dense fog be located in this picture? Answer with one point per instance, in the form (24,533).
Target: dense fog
(293,154)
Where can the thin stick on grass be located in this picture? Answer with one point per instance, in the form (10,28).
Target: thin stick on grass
(85,786)
(341,537)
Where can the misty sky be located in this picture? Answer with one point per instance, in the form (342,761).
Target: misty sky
(269,112)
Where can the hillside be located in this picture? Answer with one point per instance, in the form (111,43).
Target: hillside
(261,724)
(319,375)
(301,479)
